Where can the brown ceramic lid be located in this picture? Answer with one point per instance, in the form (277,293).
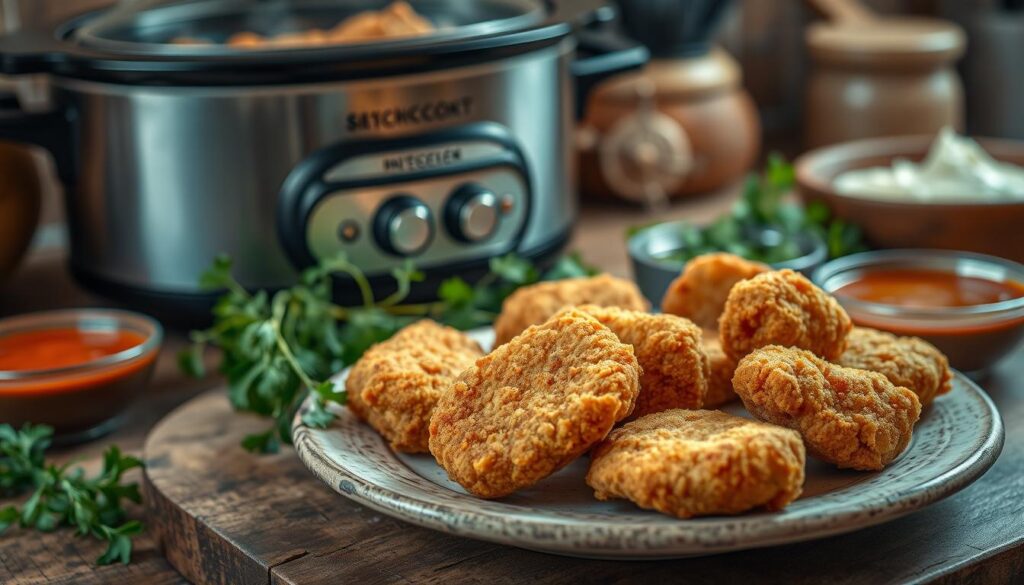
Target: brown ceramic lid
(887,42)
(677,79)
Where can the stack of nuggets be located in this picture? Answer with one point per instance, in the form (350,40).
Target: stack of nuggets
(576,358)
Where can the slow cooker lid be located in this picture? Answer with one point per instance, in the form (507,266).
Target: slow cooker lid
(204,27)
(132,42)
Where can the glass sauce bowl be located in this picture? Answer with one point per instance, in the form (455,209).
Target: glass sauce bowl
(84,394)
(973,337)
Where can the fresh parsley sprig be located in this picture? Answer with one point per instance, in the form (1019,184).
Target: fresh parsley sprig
(277,349)
(21,457)
(62,496)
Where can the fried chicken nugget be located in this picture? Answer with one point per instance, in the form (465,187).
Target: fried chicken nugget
(699,293)
(852,418)
(782,308)
(906,361)
(668,348)
(395,385)
(534,405)
(721,368)
(535,304)
(699,462)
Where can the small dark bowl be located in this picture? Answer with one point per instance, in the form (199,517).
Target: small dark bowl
(974,338)
(654,274)
(85,401)
(987,227)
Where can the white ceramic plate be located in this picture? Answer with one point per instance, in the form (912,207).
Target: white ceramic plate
(955,442)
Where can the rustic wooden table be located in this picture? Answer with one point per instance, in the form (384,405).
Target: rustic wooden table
(975,536)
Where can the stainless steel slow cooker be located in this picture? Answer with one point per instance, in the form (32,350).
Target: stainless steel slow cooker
(448,148)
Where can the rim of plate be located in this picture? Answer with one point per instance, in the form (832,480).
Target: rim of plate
(571,533)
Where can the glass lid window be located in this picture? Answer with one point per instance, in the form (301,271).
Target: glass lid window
(201,26)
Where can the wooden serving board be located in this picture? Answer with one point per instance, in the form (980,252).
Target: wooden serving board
(221,515)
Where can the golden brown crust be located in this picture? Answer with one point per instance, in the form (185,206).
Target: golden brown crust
(699,462)
(668,348)
(534,404)
(853,418)
(395,385)
(905,361)
(782,308)
(699,293)
(722,367)
(535,304)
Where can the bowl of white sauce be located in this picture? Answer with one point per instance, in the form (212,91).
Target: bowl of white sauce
(945,192)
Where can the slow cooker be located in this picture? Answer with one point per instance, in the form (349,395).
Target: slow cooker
(447,148)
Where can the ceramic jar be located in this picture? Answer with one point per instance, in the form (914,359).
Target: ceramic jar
(884,78)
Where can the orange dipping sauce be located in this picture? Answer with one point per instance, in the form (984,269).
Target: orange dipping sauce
(929,289)
(49,349)
(54,375)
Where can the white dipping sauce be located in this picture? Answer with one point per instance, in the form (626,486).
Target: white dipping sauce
(956,169)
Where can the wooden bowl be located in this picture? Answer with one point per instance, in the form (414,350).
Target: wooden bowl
(20,198)
(985,227)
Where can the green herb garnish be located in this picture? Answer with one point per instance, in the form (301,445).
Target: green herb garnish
(277,349)
(62,496)
(763,209)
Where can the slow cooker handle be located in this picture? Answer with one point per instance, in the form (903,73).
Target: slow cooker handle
(602,52)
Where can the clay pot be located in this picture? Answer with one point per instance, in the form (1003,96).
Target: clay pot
(679,127)
(883,77)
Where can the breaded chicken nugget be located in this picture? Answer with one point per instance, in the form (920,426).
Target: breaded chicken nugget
(906,361)
(699,462)
(722,367)
(395,385)
(534,404)
(668,348)
(853,418)
(535,304)
(699,293)
(782,308)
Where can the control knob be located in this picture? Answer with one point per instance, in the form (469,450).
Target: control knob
(472,213)
(404,226)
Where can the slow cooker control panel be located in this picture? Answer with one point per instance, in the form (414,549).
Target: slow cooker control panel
(454,197)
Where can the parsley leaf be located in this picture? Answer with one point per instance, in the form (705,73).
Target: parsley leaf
(66,497)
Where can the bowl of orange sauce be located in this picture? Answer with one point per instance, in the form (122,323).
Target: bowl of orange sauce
(76,370)
(970,306)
